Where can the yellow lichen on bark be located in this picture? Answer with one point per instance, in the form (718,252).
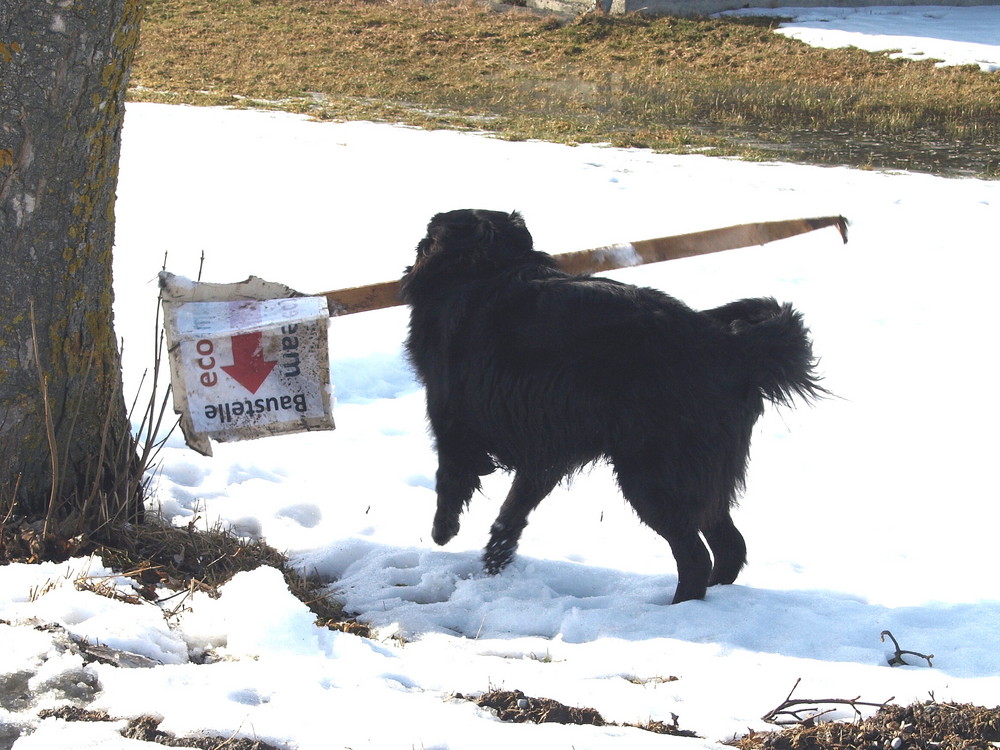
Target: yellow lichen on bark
(7,51)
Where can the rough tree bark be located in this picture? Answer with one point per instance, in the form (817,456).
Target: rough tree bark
(63,74)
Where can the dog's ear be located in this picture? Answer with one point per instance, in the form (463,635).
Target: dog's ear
(475,236)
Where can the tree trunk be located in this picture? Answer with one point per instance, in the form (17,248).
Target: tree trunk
(64,437)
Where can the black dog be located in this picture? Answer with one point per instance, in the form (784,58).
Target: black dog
(539,372)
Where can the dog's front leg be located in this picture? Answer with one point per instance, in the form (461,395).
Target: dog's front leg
(456,481)
(527,491)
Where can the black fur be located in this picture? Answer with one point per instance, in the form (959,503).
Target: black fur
(539,372)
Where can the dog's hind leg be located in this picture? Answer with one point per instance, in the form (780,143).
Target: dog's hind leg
(527,491)
(662,509)
(728,548)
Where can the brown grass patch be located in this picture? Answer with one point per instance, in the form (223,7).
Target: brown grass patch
(671,84)
(177,559)
(930,726)
(515,707)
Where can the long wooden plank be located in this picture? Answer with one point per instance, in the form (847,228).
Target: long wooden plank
(387,293)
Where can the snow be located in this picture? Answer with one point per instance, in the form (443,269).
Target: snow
(949,35)
(620,256)
(873,511)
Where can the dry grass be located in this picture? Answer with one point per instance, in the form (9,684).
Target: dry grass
(516,707)
(731,86)
(188,558)
(169,563)
(919,726)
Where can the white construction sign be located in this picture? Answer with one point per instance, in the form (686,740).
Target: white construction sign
(245,368)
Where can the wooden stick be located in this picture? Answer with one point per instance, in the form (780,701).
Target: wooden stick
(688,245)
(363,298)
(387,293)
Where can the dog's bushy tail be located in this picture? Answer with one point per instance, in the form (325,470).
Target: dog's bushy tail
(776,349)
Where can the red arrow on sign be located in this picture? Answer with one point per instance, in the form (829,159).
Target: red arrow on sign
(249,368)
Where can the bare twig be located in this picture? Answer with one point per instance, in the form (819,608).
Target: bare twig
(897,658)
(152,420)
(50,432)
(102,457)
(795,707)
(13,502)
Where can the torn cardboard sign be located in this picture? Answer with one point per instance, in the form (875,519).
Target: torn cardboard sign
(247,360)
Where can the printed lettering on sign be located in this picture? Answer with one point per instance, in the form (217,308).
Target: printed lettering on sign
(249,368)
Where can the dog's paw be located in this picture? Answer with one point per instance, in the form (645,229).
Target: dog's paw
(686,592)
(498,555)
(444,529)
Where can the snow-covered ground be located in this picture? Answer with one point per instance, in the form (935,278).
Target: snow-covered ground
(873,511)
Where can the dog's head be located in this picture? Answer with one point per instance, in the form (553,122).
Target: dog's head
(473,240)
